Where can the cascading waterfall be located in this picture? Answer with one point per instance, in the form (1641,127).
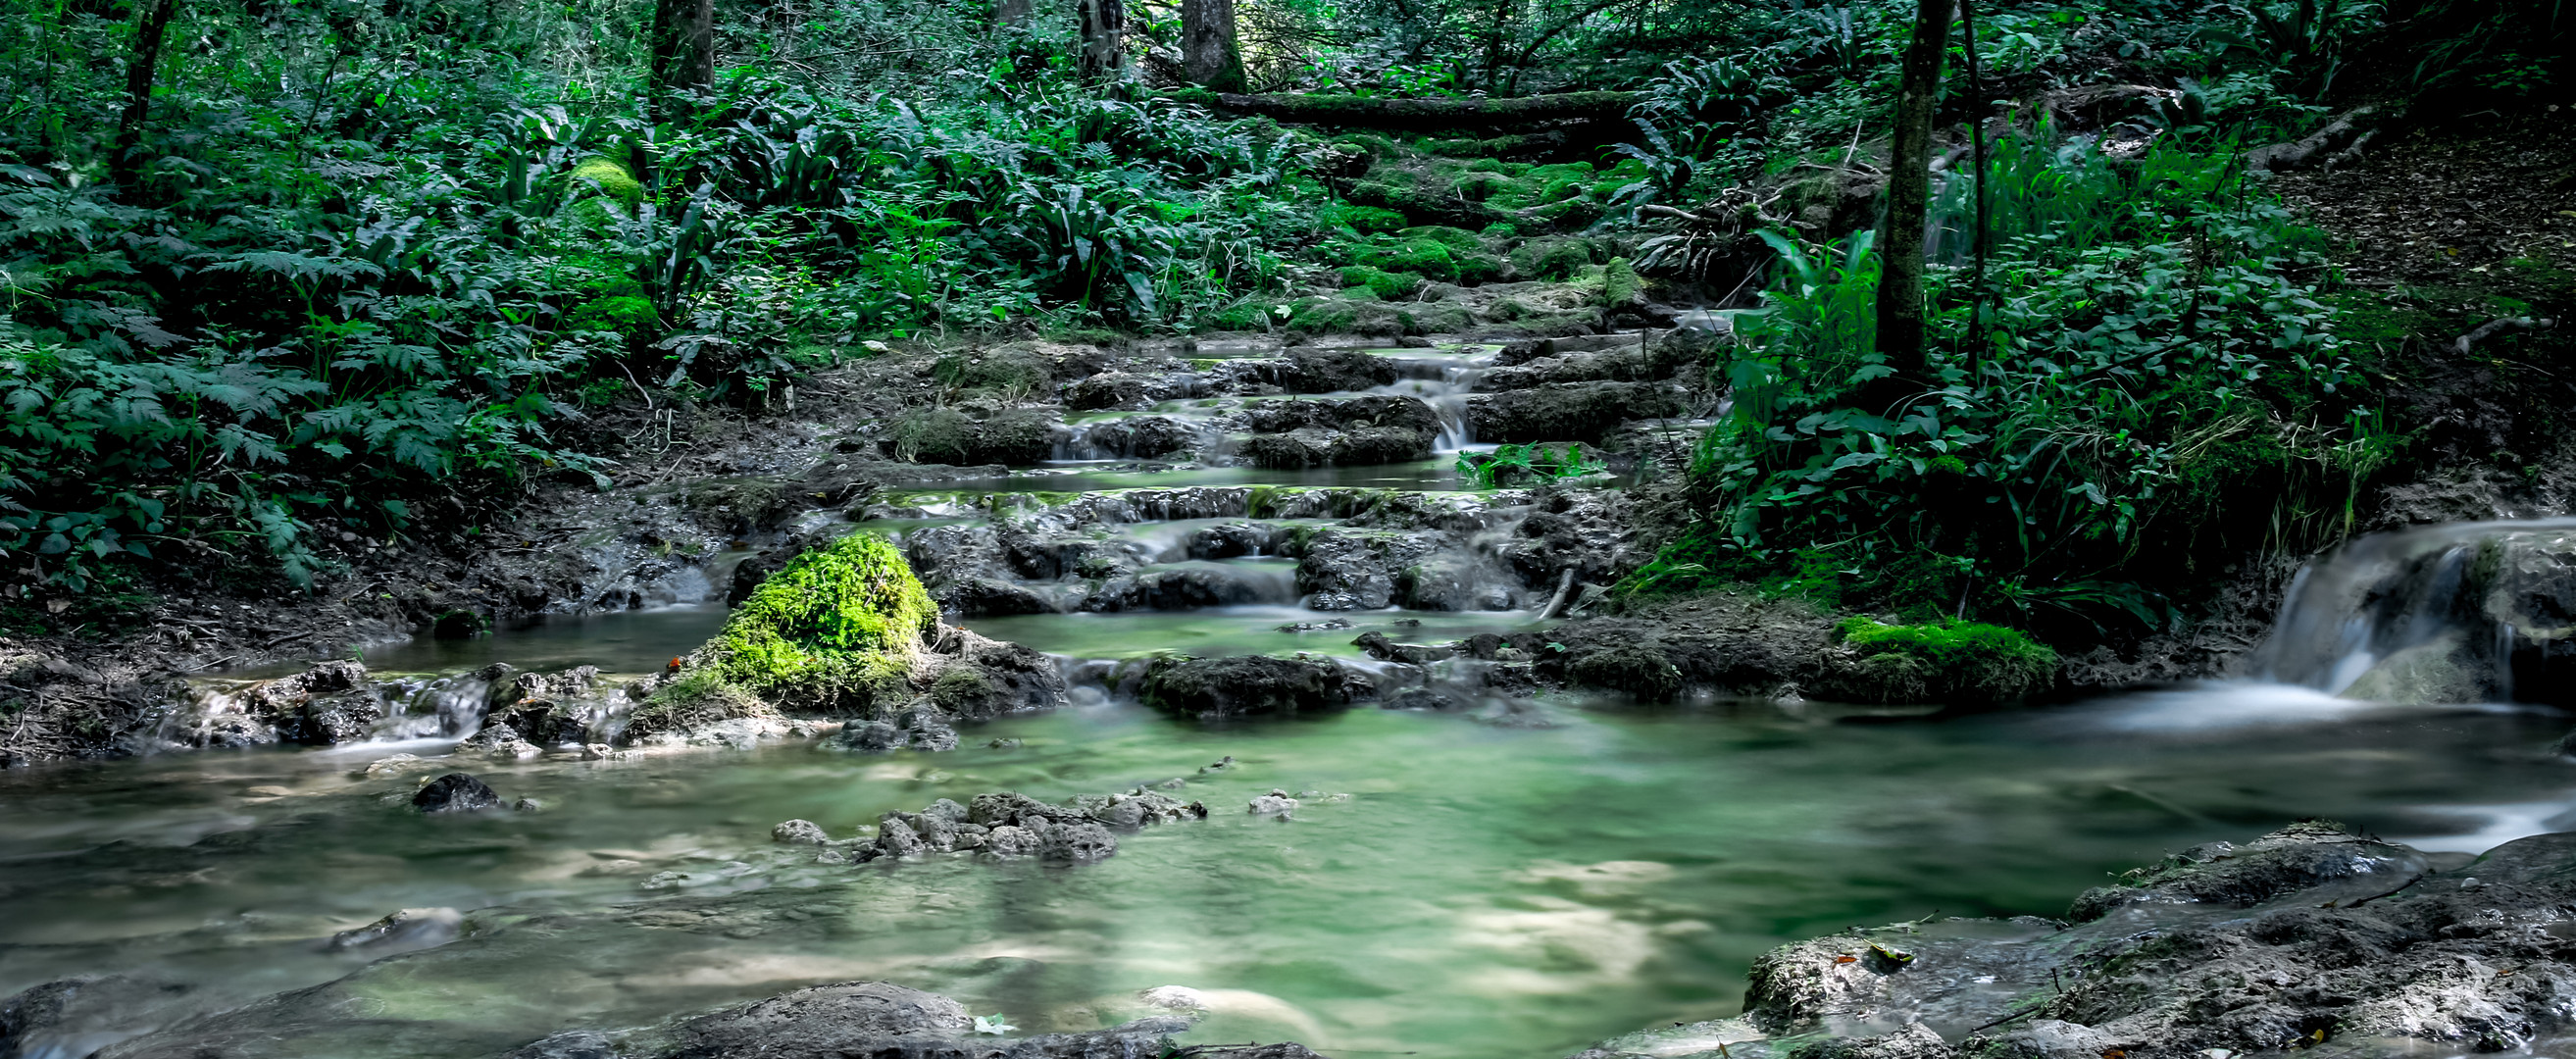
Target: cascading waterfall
(2463,612)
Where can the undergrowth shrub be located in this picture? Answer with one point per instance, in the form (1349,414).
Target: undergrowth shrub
(2155,337)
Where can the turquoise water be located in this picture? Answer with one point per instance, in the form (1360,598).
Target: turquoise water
(1482,891)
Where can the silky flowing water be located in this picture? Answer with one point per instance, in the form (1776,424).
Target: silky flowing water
(1517,885)
(1482,891)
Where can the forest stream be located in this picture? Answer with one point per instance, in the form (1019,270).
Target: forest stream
(1499,884)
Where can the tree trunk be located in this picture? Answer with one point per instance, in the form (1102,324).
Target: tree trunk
(126,158)
(1909,192)
(684,51)
(1209,55)
(1104,33)
(1011,14)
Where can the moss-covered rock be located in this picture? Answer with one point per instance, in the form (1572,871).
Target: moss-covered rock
(1620,285)
(1426,257)
(1552,258)
(1362,219)
(1318,316)
(1956,663)
(611,178)
(835,630)
(1380,282)
(1435,318)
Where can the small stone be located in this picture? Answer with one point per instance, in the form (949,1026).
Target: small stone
(528,805)
(2470,883)
(1276,803)
(1003,744)
(804,832)
(455,792)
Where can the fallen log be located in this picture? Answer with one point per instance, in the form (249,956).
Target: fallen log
(1417,115)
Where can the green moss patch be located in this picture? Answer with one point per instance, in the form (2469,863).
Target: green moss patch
(612,179)
(1961,663)
(1382,283)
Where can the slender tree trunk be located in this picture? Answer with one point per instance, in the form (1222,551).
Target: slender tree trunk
(1209,54)
(684,51)
(126,158)
(1977,155)
(1104,33)
(1909,192)
(1011,14)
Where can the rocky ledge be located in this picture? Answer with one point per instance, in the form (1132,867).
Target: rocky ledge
(2309,938)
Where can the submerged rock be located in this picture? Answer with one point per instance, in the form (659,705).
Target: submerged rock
(455,792)
(407,928)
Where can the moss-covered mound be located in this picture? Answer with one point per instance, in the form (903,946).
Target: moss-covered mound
(1954,663)
(834,631)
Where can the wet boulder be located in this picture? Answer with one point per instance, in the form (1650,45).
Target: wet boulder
(1232,541)
(1125,390)
(800,832)
(455,792)
(1346,568)
(986,597)
(1334,370)
(499,741)
(342,717)
(1410,413)
(1250,685)
(1620,365)
(1084,841)
(1190,588)
(986,678)
(1584,411)
(313,706)
(1143,437)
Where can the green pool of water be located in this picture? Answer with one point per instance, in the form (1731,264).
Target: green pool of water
(1481,892)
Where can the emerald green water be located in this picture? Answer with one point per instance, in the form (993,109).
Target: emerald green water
(1482,891)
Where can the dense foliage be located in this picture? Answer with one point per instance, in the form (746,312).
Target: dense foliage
(351,271)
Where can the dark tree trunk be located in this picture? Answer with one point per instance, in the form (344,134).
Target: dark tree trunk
(1104,34)
(1909,188)
(1011,14)
(1977,157)
(1209,55)
(684,51)
(126,157)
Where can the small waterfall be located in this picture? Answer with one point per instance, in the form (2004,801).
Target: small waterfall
(1443,382)
(2464,612)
